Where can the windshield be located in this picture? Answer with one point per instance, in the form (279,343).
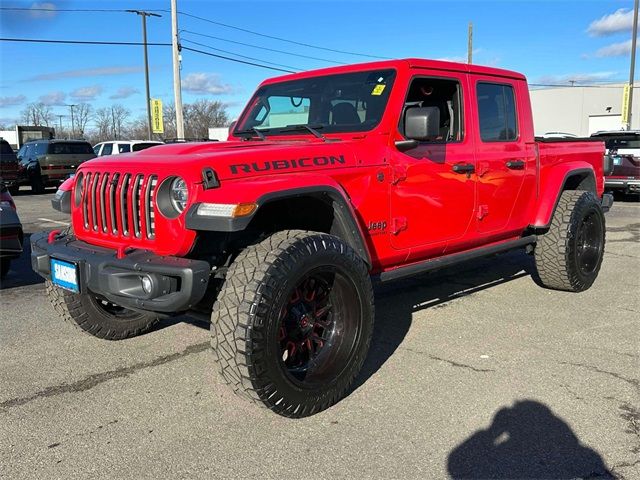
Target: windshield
(350,102)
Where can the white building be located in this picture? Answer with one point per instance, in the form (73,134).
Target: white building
(581,110)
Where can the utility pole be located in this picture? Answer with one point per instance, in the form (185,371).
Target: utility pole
(633,62)
(177,86)
(60,119)
(73,127)
(470,44)
(144,16)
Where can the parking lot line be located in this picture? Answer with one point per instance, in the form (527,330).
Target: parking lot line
(48,220)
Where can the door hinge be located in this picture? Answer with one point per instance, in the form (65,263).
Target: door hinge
(483,211)
(398,174)
(399,224)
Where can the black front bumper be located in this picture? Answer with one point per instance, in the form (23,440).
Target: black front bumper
(177,283)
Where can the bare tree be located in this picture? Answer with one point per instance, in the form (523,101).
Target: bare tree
(137,129)
(102,120)
(83,114)
(202,115)
(119,115)
(37,114)
(169,120)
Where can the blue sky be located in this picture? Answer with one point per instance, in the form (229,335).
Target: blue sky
(549,41)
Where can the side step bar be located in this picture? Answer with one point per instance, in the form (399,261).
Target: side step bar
(453,259)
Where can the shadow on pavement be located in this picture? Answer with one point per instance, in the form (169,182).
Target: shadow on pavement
(398,301)
(525,441)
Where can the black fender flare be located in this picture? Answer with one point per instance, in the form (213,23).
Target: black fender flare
(344,216)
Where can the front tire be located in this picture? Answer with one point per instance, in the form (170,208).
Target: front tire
(568,257)
(293,322)
(98,317)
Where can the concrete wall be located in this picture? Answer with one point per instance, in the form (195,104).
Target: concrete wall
(567,109)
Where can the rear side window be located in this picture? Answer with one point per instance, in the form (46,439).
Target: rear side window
(61,148)
(141,146)
(497,112)
(107,149)
(124,148)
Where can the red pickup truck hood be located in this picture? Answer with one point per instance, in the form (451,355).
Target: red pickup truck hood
(235,159)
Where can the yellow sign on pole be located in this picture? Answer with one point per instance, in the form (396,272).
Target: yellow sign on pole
(625,104)
(157,124)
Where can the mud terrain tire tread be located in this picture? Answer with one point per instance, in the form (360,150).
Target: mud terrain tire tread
(554,251)
(79,311)
(238,326)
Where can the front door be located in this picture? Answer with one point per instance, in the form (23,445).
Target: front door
(433,185)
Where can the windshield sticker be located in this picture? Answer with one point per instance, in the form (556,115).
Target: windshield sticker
(378,89)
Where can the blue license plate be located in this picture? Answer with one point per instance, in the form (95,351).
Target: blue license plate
(65,275)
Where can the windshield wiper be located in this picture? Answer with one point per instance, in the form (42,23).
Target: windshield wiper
(251,131)
(303,126)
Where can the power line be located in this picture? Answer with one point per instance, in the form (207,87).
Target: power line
(186,14)
(236,60)
(262,48)
(308,45)
(79,42)
(91,42)
(238,55)
(84,10)
(564,85)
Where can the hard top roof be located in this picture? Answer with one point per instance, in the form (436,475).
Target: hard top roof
(402,64)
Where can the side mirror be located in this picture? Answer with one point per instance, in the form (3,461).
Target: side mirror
(422,123)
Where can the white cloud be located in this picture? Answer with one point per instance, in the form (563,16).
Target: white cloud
(12,101)
(85,94)
(54,98)
(579,78)
(619,21)
(42,10)
(621,49)
(86,72)
(205,83)
(124,92)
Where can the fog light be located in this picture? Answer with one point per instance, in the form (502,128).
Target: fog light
(147,284)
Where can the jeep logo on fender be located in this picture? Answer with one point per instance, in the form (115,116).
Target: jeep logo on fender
(286,164)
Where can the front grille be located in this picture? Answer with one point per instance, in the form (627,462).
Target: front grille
(119,204)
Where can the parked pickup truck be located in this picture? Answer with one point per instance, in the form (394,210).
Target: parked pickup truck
(623,147)
(331,180)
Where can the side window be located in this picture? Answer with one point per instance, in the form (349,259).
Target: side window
(446,96)
(96,149)
(497,112)
(124,148)
(107,148)
(41,148)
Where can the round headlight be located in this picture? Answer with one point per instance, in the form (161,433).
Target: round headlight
(179,194)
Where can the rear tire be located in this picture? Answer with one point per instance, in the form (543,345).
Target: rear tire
(293,322)
(5,265)
(37,185)
(568,257)
(98,317)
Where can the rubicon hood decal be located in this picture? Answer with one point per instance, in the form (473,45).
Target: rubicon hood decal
(304,162)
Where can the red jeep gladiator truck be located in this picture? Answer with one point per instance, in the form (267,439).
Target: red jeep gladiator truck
(331,180)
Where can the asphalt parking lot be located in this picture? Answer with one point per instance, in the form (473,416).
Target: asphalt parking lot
(474,372)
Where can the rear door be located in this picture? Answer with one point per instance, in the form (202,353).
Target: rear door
(504,157)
